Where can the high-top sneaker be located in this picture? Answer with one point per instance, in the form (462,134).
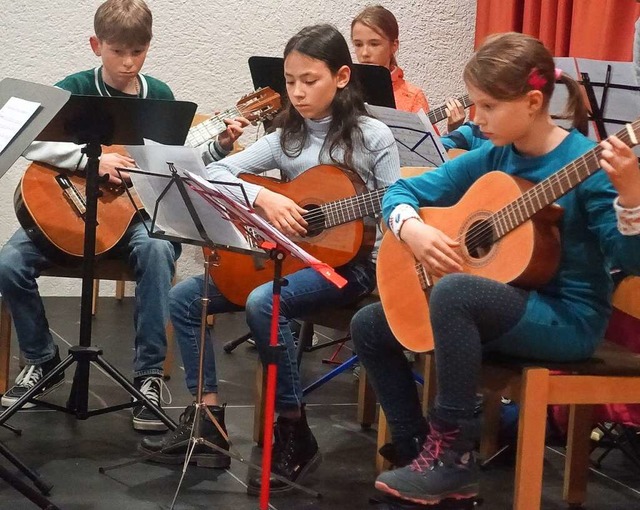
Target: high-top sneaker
(172,448)
(445,468)
(153,387)
(295,455)
(27,379)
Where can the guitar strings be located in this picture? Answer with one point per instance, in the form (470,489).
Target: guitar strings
(508,212)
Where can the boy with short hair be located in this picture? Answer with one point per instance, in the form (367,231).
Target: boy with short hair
(123,31)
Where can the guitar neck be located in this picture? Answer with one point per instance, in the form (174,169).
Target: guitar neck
(553,187)
(350,209)
(440,113)
(206,130)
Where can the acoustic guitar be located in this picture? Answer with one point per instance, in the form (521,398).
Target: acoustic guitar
(341,227)
(334,198)
(507,229)
(50,202)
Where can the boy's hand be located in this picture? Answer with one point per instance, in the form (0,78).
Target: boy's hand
(432,247)
(108,164)
(235,128)
(455,114)
(282,212)
(621,165)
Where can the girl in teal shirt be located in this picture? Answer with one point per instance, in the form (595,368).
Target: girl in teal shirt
(510,80)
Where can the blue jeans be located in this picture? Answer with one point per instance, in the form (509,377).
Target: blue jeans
(153,263)
(306,291)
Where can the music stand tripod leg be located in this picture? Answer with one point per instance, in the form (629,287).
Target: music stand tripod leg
(25,490)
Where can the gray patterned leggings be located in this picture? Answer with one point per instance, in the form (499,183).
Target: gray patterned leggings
(467,313)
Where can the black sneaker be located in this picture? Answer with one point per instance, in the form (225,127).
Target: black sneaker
(295,455)
(172,448)
(27,379)
(152,387)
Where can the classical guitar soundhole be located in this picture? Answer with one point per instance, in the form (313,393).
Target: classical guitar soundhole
(315,219)
(479,239)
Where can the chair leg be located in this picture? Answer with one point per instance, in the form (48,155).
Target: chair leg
(429,389)
(5,346)
(490,424)
(576,468)
(170,357)
(258,413)
(384,436)
(366,401)
(531,435)
(94,299)
(120,290)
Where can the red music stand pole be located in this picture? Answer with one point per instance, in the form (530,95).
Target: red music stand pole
(272,373)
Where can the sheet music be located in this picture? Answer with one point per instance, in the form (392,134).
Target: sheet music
(173,217)
(14,115)
(418,143)
(228,206)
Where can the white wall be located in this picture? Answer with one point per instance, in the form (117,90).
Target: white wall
(200,47)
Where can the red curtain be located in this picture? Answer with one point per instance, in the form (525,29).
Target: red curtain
(599,29)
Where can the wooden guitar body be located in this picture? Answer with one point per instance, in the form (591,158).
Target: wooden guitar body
(527,256)
(236,275)
(50,206)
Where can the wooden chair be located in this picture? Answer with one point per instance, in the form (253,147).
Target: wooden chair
(105,269)
(612,375)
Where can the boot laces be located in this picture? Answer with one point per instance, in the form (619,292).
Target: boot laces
(435,445)
(285,448)
(154,389)
(29,376)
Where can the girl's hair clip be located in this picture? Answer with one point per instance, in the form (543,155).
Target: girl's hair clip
(557,73)
(535,80)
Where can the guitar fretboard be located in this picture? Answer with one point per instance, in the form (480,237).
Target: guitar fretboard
(206,130)
(553,187)
(440,113)
(346,209)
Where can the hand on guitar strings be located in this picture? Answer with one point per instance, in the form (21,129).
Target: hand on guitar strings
(455,114)
(621,165)
(431,247)
(235,128)
(282,212)
(108,164)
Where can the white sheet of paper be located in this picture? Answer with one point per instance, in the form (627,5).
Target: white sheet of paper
(14,115)
(173,216)
(418,143)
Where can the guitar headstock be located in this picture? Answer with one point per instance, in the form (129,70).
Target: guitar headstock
(263,104)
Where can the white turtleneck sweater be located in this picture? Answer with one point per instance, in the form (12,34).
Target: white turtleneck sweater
(376,162)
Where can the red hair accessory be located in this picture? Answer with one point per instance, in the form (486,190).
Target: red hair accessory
(536,81)
(557,73)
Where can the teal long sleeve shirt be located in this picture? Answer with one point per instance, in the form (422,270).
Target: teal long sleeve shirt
(577,300)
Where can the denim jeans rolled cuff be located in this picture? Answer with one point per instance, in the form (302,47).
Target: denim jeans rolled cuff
(148,373)
(37,361)
(205,390)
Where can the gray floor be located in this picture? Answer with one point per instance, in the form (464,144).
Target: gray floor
(69,453)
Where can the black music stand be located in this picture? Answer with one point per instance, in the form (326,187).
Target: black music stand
(50,99)
(97,121)
(193,199)
(611,90)
(375,81)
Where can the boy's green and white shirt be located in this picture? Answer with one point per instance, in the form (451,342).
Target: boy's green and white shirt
(68,156)
(91,83)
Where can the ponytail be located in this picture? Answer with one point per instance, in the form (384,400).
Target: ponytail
(575,109)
